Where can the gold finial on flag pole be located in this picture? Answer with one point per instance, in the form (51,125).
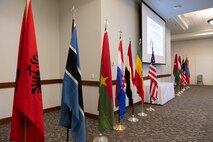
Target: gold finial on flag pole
(26,8)
(27,5)
(106,23)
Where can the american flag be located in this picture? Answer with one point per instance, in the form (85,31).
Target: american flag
(152,74)
(183,79)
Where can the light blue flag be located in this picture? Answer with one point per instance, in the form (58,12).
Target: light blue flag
(72,114)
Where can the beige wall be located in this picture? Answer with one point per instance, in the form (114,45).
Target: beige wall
(53,20)
(88,15)
(200,55)
(46,19)
(121,14)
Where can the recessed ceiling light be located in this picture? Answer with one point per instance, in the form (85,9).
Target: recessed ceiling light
(210,21)
(177,6)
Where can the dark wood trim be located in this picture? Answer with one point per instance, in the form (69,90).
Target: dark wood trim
(5,120)
(43,82)
(51,81)
(90,83)
(158,76)
(8,119)
(52,109)
(94,116)
(90,115)
(84,82)
(7,85)
(114,82)
(164,75)
(129,107)
(94,83)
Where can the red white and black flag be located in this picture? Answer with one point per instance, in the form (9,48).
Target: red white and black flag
(129,75)
(152,74)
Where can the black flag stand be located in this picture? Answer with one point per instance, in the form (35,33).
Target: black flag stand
(67,134)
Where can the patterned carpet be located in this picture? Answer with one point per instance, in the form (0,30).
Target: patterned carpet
(188,118)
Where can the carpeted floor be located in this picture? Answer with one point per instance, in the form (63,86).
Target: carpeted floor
(188,118)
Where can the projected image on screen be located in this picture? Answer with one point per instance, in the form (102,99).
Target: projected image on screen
(154,37)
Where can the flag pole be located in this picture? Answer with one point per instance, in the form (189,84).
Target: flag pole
(142,110)
(119,126)
(25,119)
(142,101)
(73,10)
(25,129)
(150,109)
(133,118)
(27,5)
(102,138)
(67,134)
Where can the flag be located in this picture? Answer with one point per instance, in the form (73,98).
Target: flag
(176,71)
(183,75)
(139,73)
(129,75)
(152,74)
(27,116)
(105,108)
(180,70)
(72,110)
(187,71)
(120,99)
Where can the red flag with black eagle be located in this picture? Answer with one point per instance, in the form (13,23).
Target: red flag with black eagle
(27,117)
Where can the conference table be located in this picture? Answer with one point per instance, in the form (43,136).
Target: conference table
(166,92)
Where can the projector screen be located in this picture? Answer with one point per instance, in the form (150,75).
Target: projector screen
(153,36)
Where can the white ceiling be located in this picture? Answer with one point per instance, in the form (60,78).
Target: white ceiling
(195,21)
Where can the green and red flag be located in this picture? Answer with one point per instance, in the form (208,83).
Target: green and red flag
(138,80)
(176,71)
(27,117)
(105,106)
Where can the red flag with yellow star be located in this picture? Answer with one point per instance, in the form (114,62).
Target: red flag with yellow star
(106,111)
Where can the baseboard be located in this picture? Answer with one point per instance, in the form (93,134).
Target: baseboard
(52,109)
(8,119)
(5,120)
(89,115)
